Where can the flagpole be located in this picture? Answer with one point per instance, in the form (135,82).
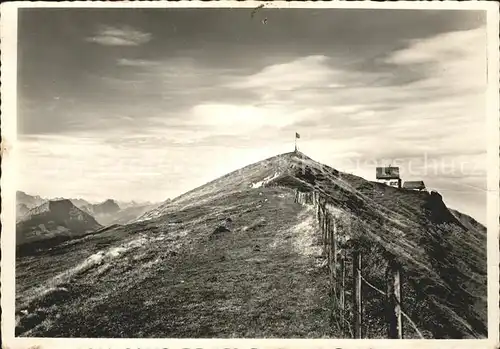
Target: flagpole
(295,142)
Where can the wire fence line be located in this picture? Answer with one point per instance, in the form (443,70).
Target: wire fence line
(329,238)
(407,317)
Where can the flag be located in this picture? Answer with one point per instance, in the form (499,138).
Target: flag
(297,135)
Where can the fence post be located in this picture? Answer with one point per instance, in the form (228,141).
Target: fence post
(328,246)
(325,230)
(331,253)
(393,301)
(342,292)
(334,251)
(318,203)
(356,272)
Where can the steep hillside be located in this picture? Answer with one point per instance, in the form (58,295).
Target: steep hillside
(238,257)
(469,222)
(53,219)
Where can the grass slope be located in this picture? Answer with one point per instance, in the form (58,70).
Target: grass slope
(170,275)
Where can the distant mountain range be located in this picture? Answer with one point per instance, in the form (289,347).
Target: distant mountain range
(41,218)
(25,202)
(54,219)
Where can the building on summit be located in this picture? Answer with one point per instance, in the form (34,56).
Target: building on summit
(389,176)
(414,185)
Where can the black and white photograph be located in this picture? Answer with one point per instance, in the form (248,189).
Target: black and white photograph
(264,171)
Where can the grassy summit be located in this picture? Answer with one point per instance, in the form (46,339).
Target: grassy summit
(176,273)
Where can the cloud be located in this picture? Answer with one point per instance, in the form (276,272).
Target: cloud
(182,115)
(403,121)
(233,118)
(120,36)
(434,126)
(137,62)
(451,61)
(303,72)
(440,48)
(314,95)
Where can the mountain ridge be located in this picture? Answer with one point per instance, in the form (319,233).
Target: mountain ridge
(54,219)
(240,257)
(106,212)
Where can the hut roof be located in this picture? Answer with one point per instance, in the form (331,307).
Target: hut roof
(414,185)
(388,172)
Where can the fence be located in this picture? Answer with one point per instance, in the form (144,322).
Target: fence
(337,245)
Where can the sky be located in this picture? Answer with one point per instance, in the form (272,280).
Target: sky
(145,104)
